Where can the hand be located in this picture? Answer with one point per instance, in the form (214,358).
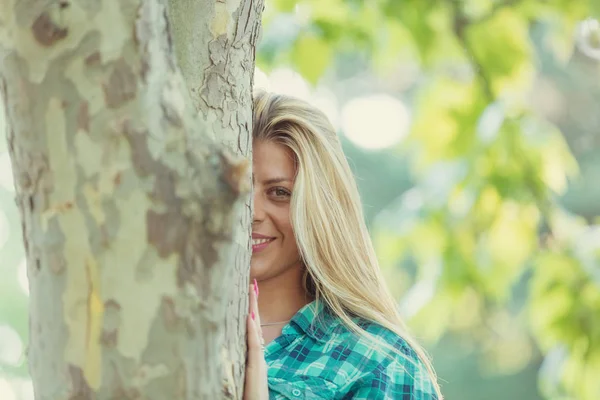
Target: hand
(256,387)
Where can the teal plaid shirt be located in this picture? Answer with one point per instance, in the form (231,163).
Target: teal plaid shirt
(326,360)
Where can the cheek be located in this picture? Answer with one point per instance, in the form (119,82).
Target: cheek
(289,239)
(283,222)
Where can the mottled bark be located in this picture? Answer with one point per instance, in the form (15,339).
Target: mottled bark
(135,215)
(219,72)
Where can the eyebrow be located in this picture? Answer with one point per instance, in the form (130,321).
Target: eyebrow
(277,180)
(273,181)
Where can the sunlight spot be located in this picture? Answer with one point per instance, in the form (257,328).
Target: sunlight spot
(588,38)
(22,276)
(6,175)
(303,13)
(375,121)
(261,80)
(289,82)
(23,388)
(6,391)
(326,101)
(11,346)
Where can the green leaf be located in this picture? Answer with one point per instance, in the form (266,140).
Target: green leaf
(431,29)
(395,45)
(433,319)
(502,47)
(311,55)
(595,9)
(284,5)
(510,241)
(446,120)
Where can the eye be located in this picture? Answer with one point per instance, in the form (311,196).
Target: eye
(279,193)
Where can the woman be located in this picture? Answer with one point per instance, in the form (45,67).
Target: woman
(329,326)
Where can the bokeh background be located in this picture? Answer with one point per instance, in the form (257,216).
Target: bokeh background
(473,128)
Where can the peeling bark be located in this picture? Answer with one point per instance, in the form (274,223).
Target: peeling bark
(129,133)
(216,57)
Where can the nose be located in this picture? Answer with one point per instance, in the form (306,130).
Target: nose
(258,210)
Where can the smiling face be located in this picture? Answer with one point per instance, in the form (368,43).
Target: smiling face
(274,249)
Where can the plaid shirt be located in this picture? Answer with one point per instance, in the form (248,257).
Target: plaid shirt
(326,360)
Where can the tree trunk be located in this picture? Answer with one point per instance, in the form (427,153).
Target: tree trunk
(128,125)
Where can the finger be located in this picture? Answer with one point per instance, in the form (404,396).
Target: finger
(254,346)
(254,307)
(252,362)
(256,381)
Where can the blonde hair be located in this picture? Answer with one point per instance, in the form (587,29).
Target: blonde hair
(327,219)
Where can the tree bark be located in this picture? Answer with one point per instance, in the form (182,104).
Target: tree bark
(128,125)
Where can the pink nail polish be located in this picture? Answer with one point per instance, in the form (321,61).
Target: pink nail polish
(253,317)
(256,288)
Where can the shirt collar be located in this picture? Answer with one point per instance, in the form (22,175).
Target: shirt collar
(315,319)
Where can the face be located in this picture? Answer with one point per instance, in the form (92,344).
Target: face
(274,249)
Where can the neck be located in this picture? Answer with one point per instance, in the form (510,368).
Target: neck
(281,296)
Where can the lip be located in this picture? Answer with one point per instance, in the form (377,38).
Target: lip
(256,235)
(260,247)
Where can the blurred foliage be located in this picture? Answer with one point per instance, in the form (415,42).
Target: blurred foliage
(483,232)
(469,214)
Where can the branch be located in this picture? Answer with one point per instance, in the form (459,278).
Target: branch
(461,23)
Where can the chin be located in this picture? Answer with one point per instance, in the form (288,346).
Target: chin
(257,271)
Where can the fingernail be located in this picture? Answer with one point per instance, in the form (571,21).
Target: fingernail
(256,288)
(253,315)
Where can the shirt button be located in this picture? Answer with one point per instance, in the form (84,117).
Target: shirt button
(296,392)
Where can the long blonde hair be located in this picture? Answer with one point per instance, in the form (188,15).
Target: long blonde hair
(327,219)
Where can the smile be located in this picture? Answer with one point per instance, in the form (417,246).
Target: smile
(260,244)
(260,241)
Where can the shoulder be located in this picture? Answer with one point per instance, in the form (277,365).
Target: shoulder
(319,357)
(377,371)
